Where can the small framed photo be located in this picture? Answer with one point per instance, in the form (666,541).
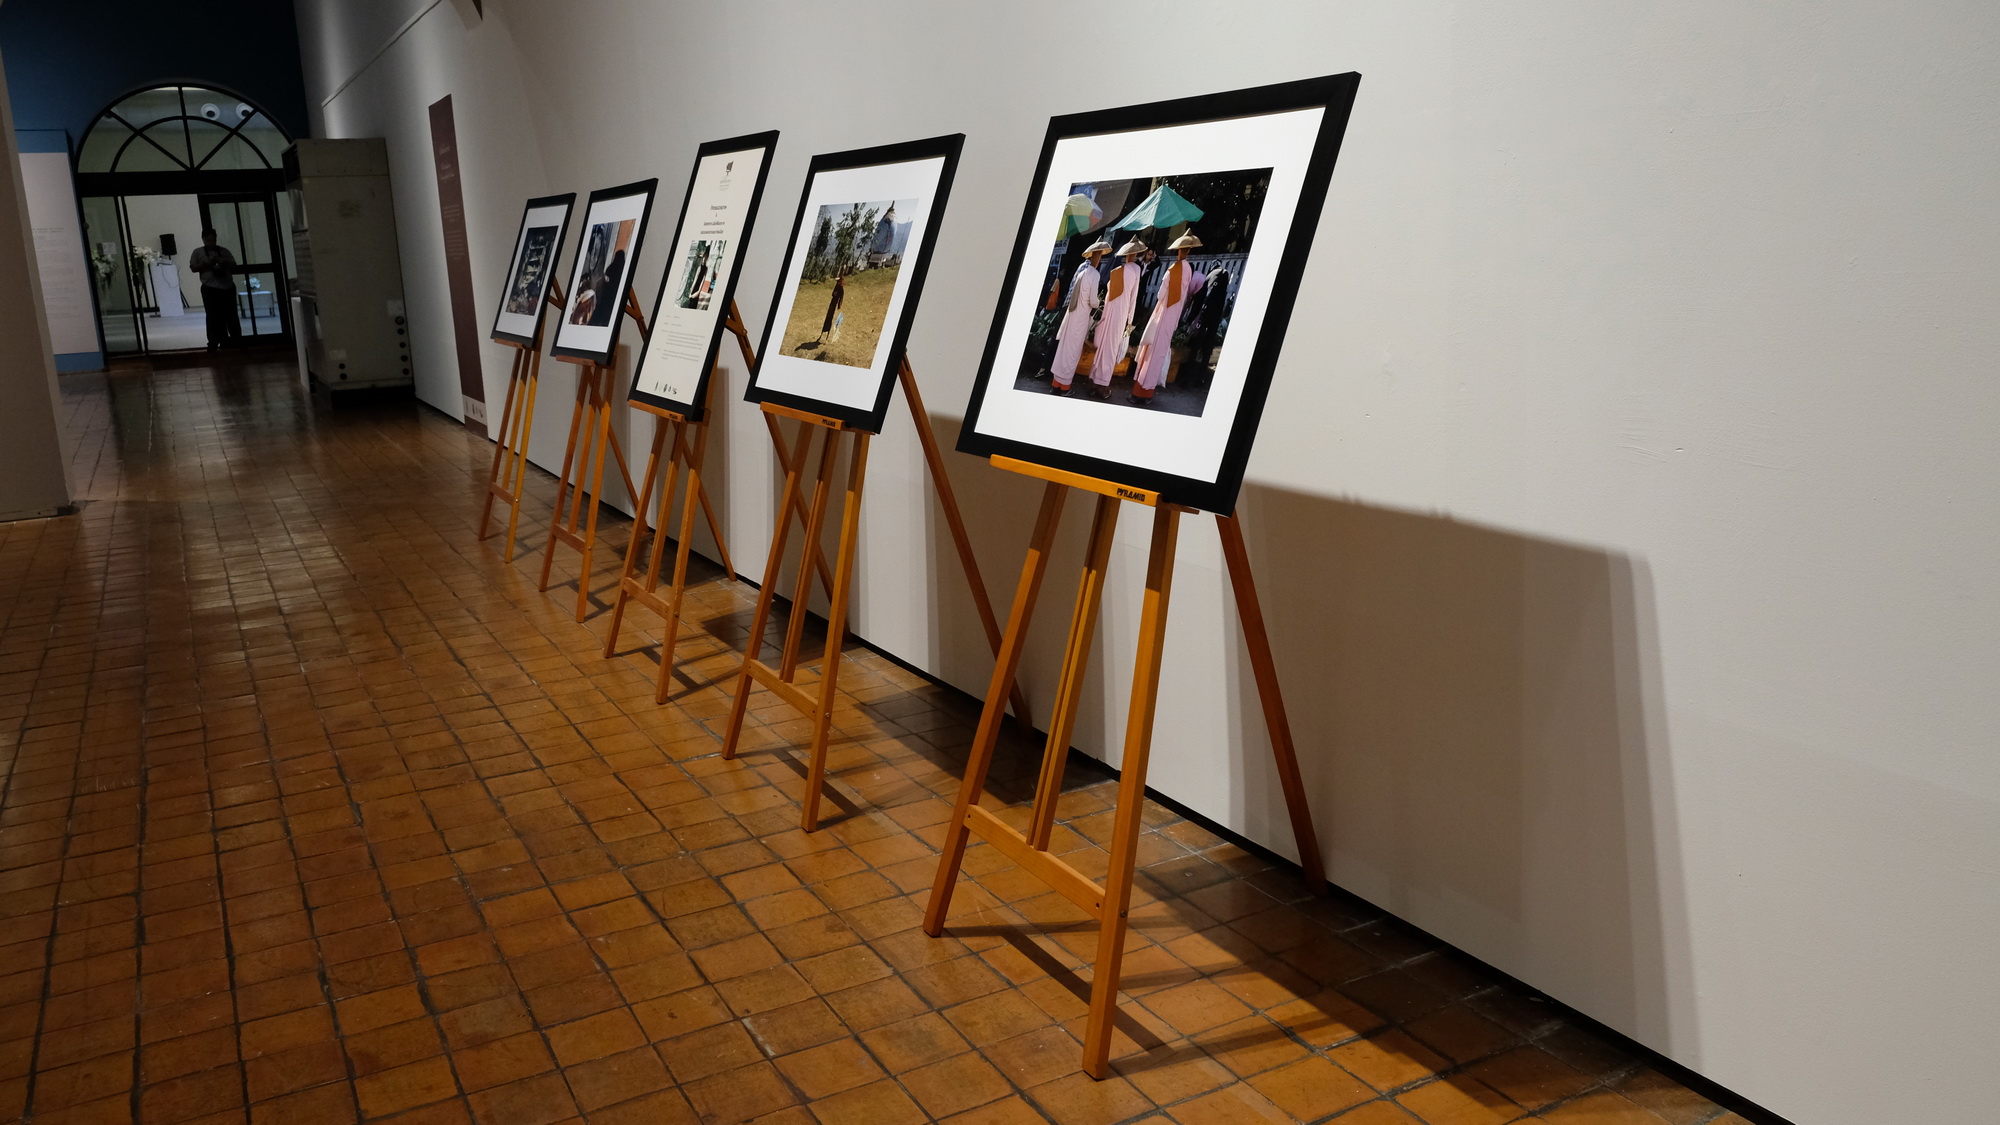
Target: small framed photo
(688,317)
(1150,286)
(544,229)
(853,271)
(614,227)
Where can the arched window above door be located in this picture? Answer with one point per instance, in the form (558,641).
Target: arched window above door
(181,129)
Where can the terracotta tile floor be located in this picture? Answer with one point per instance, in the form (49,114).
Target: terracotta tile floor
(315,810)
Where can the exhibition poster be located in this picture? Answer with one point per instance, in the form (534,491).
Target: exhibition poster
(695,294)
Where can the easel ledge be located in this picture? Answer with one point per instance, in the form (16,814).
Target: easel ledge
(1079,481)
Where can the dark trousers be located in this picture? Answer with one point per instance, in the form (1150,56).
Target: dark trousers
(220,305)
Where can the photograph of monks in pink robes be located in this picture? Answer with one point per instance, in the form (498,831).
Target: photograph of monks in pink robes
(852,263)
(1141,280)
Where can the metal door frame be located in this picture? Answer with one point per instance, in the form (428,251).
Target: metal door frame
(275,267)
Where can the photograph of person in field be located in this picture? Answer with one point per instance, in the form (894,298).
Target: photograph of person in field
(851,267)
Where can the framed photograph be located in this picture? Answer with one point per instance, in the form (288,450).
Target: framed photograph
(544,229)
(614,227)
(853,271)
(709,237)
(1150,286)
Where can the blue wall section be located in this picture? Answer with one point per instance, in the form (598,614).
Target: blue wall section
(67,60)
(43,140)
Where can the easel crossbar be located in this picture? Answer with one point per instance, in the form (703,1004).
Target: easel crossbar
(1059,875)
(784,689)
(636,591)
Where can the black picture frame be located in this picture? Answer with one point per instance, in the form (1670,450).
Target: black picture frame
(695,410)
(648,188)
(567,201)
(948,147)
(1333,92)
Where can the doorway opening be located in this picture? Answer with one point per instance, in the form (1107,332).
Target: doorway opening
(155,169)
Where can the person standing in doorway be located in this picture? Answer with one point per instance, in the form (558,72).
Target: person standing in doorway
(216,267)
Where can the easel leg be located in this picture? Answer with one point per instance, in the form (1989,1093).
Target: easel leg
(493,478)
(955,521)
(601,409)
(622,595)
(1076,662)
(1258,641)
(1131,792)
(755,642)
(662,524)
(815,520)
(524,426)
(836,627)
(714,525)
(694,471)
(563,488)
(671,630)
(787,462)
(611,438)
(1005,665)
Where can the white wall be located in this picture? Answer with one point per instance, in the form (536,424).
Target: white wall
(1624,507)
(34,459)
(62,273)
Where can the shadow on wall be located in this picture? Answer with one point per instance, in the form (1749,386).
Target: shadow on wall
(1478,719)
(1477,715)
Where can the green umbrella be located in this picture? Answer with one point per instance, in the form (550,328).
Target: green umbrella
(1080,213)
(1164,208)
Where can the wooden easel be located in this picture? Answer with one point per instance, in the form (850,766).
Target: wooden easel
(1109,902)
(590,434)
(779,679)
(819,708)
(517,419)
(646,591)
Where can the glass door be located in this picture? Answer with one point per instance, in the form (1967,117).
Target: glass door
(114,273)
(247,226)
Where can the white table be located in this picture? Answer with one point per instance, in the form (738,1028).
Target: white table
(167,287)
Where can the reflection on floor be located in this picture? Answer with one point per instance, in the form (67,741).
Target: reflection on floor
(315,810)
(173,333)
(180,333)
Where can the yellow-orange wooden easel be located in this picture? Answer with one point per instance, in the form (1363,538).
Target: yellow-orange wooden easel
(779,680)
(1109,902)
(590,435)
(646,590)
(517,419)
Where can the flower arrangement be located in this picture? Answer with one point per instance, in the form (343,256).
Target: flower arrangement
(104,265)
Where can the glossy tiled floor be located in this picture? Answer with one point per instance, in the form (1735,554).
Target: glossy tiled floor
(315,810)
